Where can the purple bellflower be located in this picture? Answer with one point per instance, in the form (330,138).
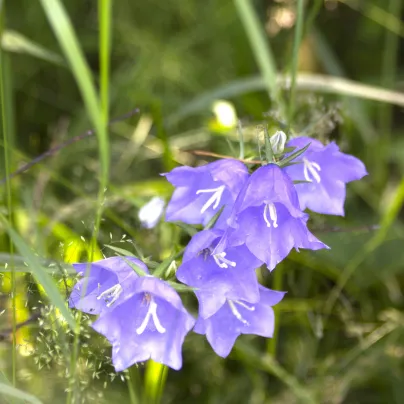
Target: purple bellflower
(201,191)
(327,170)
(105,282)
(150,324)
(266,217)
(238,317)
(218,277)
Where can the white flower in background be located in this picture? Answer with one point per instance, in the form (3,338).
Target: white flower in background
(225,113)
(278,141)
(150,213)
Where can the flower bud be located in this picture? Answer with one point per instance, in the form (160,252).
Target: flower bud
(278,141)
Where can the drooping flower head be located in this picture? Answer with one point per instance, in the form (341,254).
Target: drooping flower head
(266,217)
(327,170)
(238,317)
(201,191)
(218,277)
(105,282)
(150,324)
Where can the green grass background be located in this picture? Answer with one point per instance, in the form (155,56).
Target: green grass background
(67,66)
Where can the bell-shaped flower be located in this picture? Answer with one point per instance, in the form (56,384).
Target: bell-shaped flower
(201,191)
(218,277)
(266,217)
(105,283)
(326,171)
(150,324)
(238,317)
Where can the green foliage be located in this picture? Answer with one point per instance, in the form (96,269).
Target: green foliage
(68,66)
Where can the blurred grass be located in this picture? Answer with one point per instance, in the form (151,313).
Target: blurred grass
(172,60)
(6,117)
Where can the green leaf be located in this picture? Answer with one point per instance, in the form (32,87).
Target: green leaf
(13,41)
(11,391)
(214,219)
(120,251)
(191,230)
(136,268)
(179,287)
(261,49)
(293,156)
(159,271)
(63,29)
(40,275)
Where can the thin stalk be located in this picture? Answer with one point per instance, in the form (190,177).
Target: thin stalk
(104,15)
(7,163)
(134,385)
(240,140)
(261,50)
(388,77)
(277,285)
(295,58)
(155,379)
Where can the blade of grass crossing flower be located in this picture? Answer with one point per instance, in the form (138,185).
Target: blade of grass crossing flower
(41,276)
(298,36)
(16,394)
(261,49)
(63,29)
(6,126)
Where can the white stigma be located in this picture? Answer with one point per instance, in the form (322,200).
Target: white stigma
(223,262)
(111,295)
(214,199)
(270,209)
(151,312)
(310,171)
(236,312)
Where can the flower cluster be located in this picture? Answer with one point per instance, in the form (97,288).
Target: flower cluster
(262,219)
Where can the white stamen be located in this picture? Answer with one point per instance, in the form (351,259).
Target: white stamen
(214,199)
(223,262)
(252,308)
(151,312)
(311,168)
(270,208)
(236,312)
(111,295)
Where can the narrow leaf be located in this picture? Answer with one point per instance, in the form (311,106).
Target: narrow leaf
(293,156)
(11,391)
(40,275)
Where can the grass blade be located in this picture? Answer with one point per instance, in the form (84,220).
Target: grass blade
(295,58)
(105,11)
(261,49)
(63,29)
(318,83)
(40,275)
(7,390)
(6,118)
(13,41)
